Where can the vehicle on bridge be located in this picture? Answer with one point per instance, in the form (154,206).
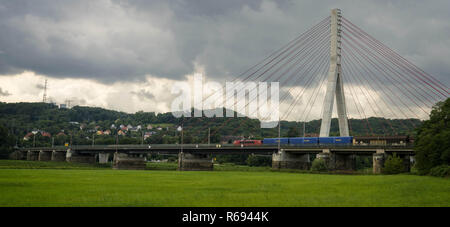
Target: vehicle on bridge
(297,141)
(274,141)
(246,143)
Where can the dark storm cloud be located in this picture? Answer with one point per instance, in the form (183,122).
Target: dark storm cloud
(195,8)
(39,86)
(4,92)
(124,40)
(143,94)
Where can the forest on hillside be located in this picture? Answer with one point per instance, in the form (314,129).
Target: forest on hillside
(87,125)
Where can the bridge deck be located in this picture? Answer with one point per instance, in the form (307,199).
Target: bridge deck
(226,149)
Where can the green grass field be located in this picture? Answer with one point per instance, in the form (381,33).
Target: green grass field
(25,183)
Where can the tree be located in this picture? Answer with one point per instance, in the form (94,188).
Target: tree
(293,132)
(319,165)
(432,145)
(393,165)
(254,160)
(6,142)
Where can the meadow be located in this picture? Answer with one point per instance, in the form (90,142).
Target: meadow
(24,183)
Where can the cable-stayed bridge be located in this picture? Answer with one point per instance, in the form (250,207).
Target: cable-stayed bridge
(334,61)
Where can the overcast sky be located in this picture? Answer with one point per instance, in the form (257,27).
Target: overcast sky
(126,54)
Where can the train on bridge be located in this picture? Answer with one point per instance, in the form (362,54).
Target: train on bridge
(334,140)
(345,140)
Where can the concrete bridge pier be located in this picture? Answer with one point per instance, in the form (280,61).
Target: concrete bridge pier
(32,155)
(45,156)
(73,156)
(412,161)
(378,159)
(406,162)
(285,160)
(326,157)
(196,162)
(103,158)
(58,156)
(18,155)
(126,161)
(338,161)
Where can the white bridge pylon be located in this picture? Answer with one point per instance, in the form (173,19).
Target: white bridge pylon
(335,86)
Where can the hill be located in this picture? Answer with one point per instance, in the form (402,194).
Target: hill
(82,125)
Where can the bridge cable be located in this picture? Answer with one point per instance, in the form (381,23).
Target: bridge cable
(281,51)
(386,73)
(312,47)
(353,48)
(407,65)
(352,80)
(367,71)
(392,60)
(353,75)
(321,32)
(258,107)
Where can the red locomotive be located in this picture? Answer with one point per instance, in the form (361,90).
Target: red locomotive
(247,143)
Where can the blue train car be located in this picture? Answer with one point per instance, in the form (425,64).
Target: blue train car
(274,141)
(326,140)
(296,140)
(336,140)
(310,140)
(343,140)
